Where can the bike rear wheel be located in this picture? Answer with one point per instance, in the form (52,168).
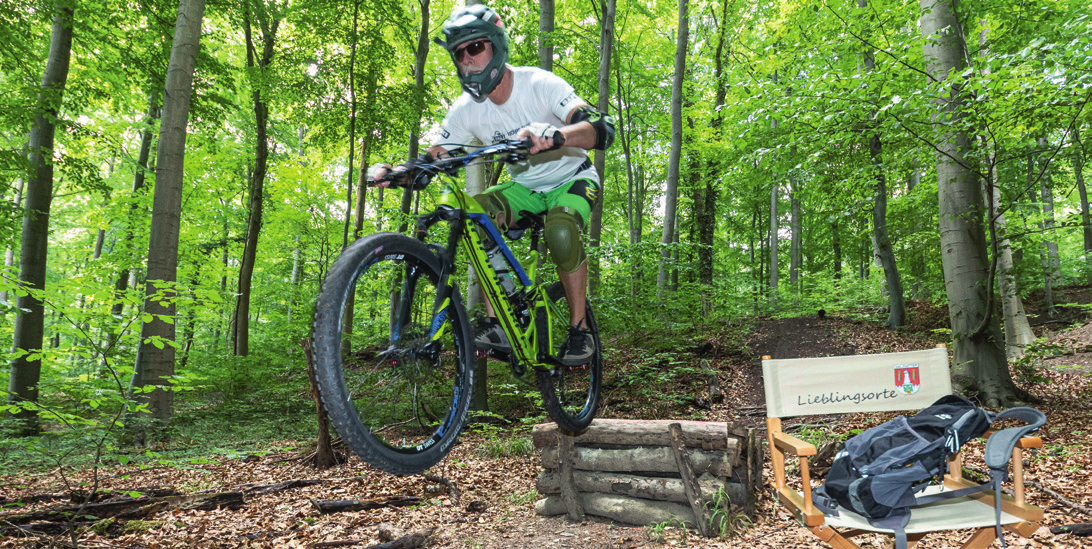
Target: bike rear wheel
(571,393)
(397,396)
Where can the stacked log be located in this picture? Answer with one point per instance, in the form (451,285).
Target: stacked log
(646,472)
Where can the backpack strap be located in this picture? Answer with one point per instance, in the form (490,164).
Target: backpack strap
(999,451)
(896,521)
(1000,444)
(952,443)
(824,502)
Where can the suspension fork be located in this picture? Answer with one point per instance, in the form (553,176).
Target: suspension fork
(440,307)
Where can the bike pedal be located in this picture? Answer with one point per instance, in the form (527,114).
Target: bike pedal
(481,353)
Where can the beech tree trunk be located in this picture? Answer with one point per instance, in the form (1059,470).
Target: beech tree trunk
(268,22)
(155,356)
(1086,223)
(147,134)
(633,184)
(30,323)
(606,47)
(896,317)
(917,258)
(885,255)
(1051,262)
(420,58)
(1018,334)
(796,238)
(9,254)
(979,357)
(707,222)
(774,190)
(672,191)
(836,243)
(545,34)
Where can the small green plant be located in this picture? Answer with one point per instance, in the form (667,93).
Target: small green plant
(521,498)
(725,518)
(655,532)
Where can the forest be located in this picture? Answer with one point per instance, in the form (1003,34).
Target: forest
(177,179)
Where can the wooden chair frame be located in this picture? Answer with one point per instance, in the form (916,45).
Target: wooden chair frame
(782,444)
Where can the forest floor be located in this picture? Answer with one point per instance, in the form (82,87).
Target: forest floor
(496,505)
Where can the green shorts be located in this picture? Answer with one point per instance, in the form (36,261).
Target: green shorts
(579,195)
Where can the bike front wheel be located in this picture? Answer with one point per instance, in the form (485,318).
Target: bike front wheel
(396,392)
(571,393)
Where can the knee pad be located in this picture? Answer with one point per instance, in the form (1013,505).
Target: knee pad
(563,238)
(496,204)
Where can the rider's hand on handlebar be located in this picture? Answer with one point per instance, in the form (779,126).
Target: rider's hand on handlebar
(409,173)
(383,175)
(543,136)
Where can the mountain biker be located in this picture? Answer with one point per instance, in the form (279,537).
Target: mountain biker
(502,102)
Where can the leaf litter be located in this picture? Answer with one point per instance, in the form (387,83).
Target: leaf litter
(496,507)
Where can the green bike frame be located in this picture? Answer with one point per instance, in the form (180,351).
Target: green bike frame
(532,339)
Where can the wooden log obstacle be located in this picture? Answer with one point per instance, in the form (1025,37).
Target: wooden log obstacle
(647,472)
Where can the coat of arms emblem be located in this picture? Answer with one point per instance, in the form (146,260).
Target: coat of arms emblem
(907,378)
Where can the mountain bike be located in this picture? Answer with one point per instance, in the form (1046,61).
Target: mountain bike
(397,380)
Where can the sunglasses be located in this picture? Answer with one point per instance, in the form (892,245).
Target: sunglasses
(472,49)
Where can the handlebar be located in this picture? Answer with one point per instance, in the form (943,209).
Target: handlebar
(510,152)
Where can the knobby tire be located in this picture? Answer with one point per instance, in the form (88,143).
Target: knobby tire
(397,402)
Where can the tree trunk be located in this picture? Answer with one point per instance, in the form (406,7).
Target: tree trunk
(9,254)
(896,317)
(606,47)
(707,224)
(774,188)
(476,183)
(268,21)
(1086,224)
(1051,262)
(1018,334)
(147,134)
(26,370)
(917,258)
(672,190)
(795,229)
(155,355)
(545,34)
(421,57)
(836,243)
(979,359)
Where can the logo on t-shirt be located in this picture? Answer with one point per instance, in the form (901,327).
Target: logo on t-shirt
(445,134)
(568,99)
(498,137)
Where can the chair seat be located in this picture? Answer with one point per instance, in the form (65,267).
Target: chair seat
(950,514)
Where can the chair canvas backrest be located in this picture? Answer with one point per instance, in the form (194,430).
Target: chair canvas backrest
(857,383)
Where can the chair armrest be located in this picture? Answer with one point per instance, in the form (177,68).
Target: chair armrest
(789,443)
(1029,442)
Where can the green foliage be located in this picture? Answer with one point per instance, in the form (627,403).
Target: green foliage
(799,109)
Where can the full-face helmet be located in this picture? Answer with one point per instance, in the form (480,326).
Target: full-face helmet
(470,23)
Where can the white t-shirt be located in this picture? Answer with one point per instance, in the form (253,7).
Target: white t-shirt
(537,96)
